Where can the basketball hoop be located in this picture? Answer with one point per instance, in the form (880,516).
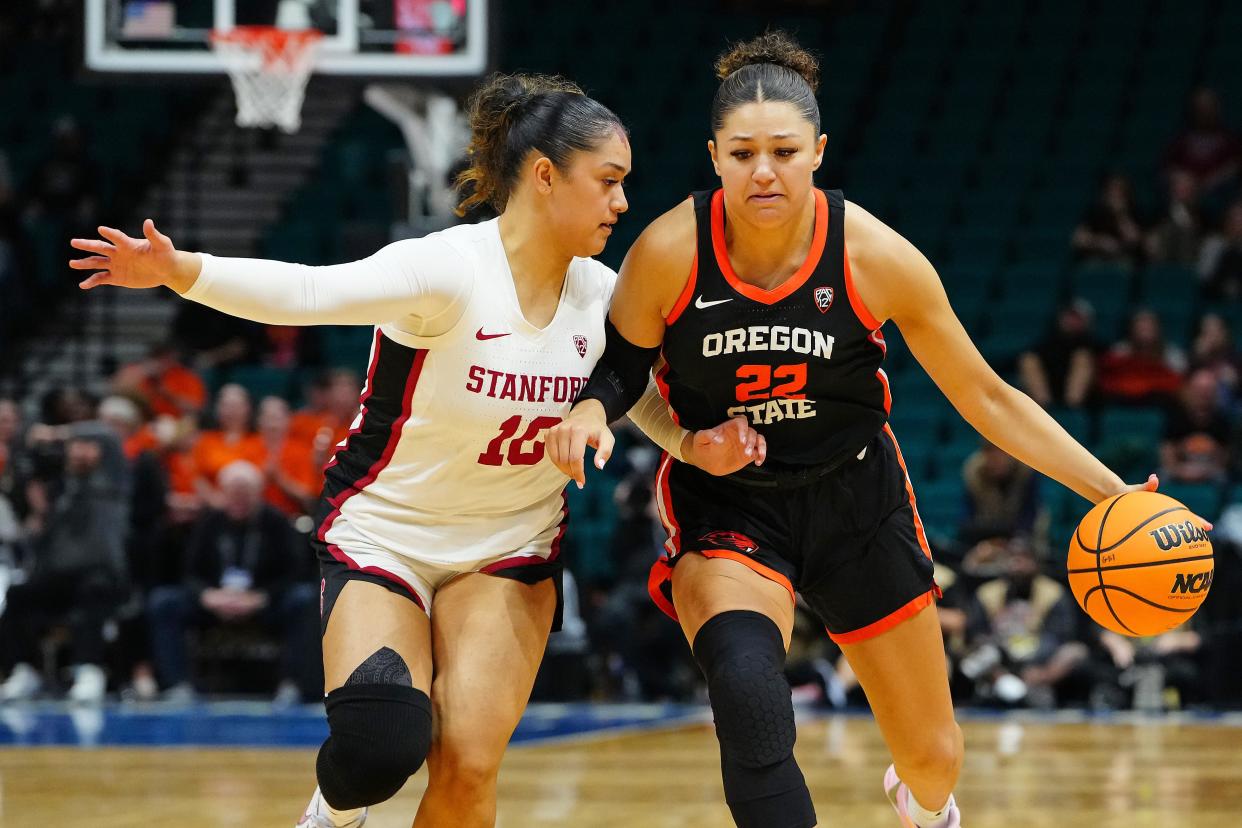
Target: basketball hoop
(269,68)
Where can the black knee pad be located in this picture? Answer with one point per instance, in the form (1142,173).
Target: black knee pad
(380,735)
(742,655)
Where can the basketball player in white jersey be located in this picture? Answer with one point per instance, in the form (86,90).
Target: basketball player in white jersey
(441,521)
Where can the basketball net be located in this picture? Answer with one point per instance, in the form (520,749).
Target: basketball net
(269,68)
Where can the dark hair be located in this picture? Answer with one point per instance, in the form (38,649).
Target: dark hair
(510,115)
(771,67)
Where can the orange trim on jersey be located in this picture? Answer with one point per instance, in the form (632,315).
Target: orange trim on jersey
(856,302)
(661,571)
(886,623)
(773,295)
(918,521)
(686,292)
(749,562)
(877,339)
(664,505)
(661,381)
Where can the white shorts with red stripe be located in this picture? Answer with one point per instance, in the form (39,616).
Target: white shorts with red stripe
(422,577)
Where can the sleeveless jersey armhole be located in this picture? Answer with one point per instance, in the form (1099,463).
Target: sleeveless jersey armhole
(856,302)
(684,299)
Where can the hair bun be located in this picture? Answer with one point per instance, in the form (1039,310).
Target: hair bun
(503,96)
(771,47)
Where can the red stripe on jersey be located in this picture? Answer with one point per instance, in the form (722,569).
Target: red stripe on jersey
(394,435)
(686,292)
(362,400)
(856,302)
(774,295)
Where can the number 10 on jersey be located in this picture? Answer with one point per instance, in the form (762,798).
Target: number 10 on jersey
(518,453)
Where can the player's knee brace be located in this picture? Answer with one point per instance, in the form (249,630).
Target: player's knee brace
(742,655)
(380,735)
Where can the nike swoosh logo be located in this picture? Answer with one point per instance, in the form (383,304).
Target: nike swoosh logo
(701,305)
(482,337)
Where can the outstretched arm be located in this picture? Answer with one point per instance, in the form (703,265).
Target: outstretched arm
(423,277)
(895,281)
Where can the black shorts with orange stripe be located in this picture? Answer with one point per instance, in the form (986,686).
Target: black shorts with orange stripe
(850,542)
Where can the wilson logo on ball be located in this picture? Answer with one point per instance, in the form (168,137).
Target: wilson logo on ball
(1193,583)
(1175,534)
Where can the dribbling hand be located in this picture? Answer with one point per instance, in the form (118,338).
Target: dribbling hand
(1152,483)
(147,262)
(566,441)
(730,446)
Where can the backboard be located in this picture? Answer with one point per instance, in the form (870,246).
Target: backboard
(364,38)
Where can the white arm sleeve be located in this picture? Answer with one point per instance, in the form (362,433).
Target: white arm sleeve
(652,416)
(420,277)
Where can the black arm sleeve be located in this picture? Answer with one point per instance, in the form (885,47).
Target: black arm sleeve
(620,376)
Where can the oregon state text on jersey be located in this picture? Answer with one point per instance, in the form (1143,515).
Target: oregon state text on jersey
(445,461)
(801,360)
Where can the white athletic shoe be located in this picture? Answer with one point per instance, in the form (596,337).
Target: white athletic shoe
(22,684)
(89,684)
(318,816)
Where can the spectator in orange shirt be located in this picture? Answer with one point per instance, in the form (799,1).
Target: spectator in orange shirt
(232,439)
(294,474)
(124,413)
(176,439)
(332,405)
(1143,368)
(169,388)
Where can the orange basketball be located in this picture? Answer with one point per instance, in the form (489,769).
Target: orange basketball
(1139,564)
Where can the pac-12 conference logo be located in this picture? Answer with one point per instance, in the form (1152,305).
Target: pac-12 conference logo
(580,343)
(823,298)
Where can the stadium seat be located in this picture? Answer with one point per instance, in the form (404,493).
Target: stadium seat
(1129,440)
(940,505)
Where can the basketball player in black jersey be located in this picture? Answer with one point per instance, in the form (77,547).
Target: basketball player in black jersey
(765,298)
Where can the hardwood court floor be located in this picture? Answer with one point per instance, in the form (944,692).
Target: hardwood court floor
(1017,775)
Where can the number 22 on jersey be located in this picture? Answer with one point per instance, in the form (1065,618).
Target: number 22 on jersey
(768,394)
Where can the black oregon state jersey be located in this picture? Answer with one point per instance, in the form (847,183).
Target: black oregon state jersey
(801,361)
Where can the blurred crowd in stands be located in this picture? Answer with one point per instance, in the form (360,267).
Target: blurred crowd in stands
(152,531)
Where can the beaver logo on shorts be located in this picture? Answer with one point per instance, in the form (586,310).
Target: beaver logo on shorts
(735,541)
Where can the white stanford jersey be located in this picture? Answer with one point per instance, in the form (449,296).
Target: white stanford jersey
(446,459)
